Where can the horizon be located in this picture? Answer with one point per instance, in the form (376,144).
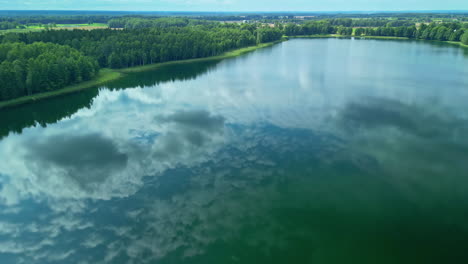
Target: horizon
(236,5)
(241,11)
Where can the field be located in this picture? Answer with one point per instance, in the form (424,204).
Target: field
(32,28)
(81,26)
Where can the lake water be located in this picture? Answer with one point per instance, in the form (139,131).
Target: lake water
(310,151)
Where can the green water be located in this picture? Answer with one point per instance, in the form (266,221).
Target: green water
(311,151)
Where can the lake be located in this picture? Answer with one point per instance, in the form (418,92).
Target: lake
(310,151)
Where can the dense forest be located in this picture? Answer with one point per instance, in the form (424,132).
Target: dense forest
(127,48)
(31,68)
(8,25)
(33,62)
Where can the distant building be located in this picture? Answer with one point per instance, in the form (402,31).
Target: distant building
(303,17)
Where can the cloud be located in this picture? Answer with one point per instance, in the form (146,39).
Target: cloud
(198,119)
(93,241)
(78,159)
(188,130)
(374,113)
(85,159)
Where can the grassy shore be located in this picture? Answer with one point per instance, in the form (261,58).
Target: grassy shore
(347,36)
(320,36)
(382,37)
(229,54)
(106,75)
(457,43)
(378,37)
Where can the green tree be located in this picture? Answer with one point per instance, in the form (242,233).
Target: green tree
(464,38)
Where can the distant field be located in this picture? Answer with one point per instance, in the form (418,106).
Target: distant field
(94,25)
(57,26)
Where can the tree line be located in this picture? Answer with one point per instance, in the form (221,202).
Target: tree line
(371,22)
(8,25)
(138,22)
(454,31)
(416,17)
(433,31)
(310,28)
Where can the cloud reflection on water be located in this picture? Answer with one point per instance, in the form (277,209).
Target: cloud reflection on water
(185,168)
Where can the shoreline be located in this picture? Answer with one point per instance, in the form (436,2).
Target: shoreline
(226,55)
(457,43)
(349,36)
(106,75)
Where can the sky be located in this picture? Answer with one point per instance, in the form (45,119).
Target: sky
(235,5)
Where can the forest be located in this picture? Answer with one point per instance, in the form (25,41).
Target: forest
(137,22)
(39,67)
(47,60)
(8,25)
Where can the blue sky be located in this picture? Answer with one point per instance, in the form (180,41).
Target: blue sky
(235,5)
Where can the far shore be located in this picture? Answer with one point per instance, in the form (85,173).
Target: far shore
(347,36)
